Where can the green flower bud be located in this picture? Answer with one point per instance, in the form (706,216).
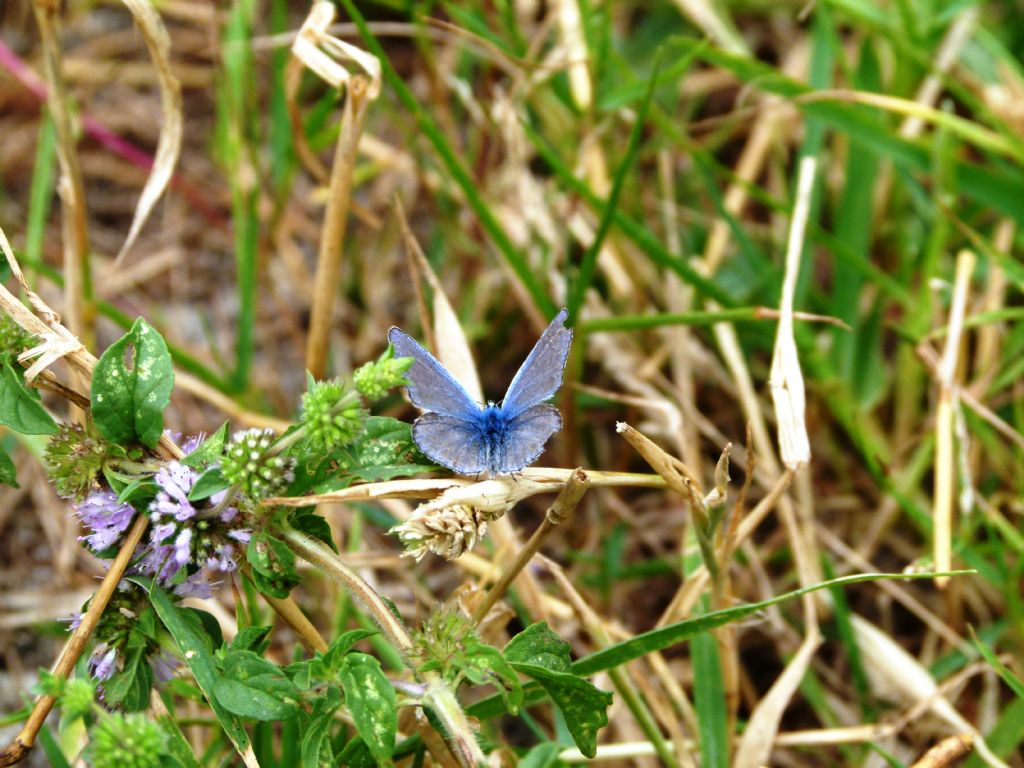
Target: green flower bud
(74,457)
(248,463)
(373,380)
(126,741)
(77,698)
(332,414)
(13,339)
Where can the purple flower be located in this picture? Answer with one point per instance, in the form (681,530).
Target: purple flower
(175,481)
(103,662)
(106,517)
(196,585)
(187,537)
(165,665)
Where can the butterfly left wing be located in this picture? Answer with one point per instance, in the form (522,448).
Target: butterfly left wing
(451,442)
(540,375)
(524,438)
(431,387)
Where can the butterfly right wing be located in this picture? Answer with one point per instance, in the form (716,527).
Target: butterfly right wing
(451,442)
(540,375)
(524,438)
(431,387)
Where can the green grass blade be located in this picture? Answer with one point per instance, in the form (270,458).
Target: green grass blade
(709,701)
(41,192)
(588,263)
(663,637)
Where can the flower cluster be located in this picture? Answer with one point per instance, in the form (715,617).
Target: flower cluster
(449,532)
(375,379)
(122,632)
(13,339)
(74,457)
(126,741)
(185,538)
(249,465)
(107,518)
(332,414)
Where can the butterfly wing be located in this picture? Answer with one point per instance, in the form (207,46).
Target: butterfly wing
(540,375)
(451,442)
(431,387)
(524,438)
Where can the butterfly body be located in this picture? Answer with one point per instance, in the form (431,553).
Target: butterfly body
(496,438)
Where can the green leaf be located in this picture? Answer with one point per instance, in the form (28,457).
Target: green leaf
(209,451)
(207,484)
(251,639)
(538,644)
(273,565)
(542,756)
(256,688)
(371,700)
(316,750)
(129,687)
(7,473)
(339,648)
(483,663)
(138,492)
(313,524)
(541,654)
(128,398)
(195,649)
(20,408)
(583,705)
(1011,679)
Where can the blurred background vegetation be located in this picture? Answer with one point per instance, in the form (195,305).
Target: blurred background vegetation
(638,163)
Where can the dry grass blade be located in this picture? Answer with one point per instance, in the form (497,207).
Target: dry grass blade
(786,379)
(325,54)
(763,725)
(945,473)
(169,145)
(450,343)
(895,674)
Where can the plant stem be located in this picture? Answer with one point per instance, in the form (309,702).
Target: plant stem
(559,512)
(76,644)
(328,268)
(439,697)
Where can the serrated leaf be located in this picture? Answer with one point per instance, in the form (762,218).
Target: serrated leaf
(484,663)
(335,654)
(371,701)
(316,750)
(7,471)
(129,687)
(251,639)
(207,484)
(583,705)
(209,451)
(307,520)
(273,565)
(19,408)
(538,644)
(128,401)
(256,688)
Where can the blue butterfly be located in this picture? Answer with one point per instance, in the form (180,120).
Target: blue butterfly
(462,435)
